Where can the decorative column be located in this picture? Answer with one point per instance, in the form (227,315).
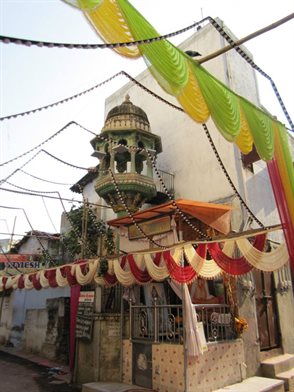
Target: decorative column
(149,168)
(133,160)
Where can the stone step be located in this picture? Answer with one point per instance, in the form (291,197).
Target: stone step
(112,387)
(281,363)
(255,384)
(288,378)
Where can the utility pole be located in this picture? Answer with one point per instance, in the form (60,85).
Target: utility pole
(84,228)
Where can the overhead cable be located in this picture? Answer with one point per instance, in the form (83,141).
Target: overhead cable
(44,180)
(26,42)
(45,251)
(51,197)
(46,141)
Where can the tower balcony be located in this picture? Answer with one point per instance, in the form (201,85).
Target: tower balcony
(135,189)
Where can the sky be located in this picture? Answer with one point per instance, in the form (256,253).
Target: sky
(31,77)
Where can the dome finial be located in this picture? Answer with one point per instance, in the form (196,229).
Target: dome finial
(127,98)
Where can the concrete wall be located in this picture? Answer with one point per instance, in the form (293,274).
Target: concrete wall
(16,306)
(99,359)
(33,246)
(35,329)
(247,310)
(46,330)
(5,318)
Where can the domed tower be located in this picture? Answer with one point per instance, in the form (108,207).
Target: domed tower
(119,147)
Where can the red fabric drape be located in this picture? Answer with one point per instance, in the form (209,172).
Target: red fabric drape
(201,250)
(70,278)
(74,303)
(36,282)
(157,258)
(178,273)
(51,276)
(282,207)
(4,280)
(20,283)
(142,276)
(234,266)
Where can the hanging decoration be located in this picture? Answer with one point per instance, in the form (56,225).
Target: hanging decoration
(182,263)
(262,260)
(234,266)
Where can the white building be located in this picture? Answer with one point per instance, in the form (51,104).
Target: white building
(188,155)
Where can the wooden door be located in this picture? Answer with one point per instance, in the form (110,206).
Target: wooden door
(267,315)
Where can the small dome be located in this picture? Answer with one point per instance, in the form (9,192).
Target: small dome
(127,108)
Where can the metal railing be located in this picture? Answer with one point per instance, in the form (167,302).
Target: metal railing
(168,180)
(218,322)
(164,323)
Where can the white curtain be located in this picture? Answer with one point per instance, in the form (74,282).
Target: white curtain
(193,341)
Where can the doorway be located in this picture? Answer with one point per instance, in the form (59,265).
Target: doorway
(266,309)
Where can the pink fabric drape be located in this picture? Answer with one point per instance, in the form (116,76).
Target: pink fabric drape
(74,303)
(282,207)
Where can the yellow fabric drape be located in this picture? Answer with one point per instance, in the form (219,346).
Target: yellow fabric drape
(157,273)
(193,258)
(60,280)
(43,280)
(88,277)
(265,261)
(27,283)
(126,278)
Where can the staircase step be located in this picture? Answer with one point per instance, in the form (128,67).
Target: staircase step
(272,366)
(255,384)
(288,378)
(111,387)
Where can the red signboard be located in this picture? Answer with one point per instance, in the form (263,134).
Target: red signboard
(17,258)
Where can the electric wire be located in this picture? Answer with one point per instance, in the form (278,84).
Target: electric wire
(48,214)
(45,251)
(46,141)
(61,101)
(45,180)
(50,197)
(26,42)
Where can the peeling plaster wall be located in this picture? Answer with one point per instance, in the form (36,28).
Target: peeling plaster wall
(46,330)
(99,359)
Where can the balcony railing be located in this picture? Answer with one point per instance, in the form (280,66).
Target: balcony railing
(168,180)
(164,323)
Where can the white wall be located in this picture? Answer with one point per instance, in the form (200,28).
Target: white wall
(33,246)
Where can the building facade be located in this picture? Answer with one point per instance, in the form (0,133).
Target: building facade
(264,300)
